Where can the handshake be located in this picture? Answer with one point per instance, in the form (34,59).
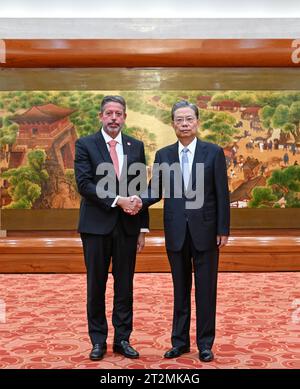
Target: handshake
(131,205)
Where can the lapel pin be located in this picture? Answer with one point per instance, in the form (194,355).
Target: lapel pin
(128,144)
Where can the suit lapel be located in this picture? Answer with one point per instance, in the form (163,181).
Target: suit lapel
(127,148)
(176,179)
(199,157)
(127,151)
(102,147)
(173,153)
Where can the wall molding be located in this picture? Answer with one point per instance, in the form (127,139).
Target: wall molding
(126,28)
(148,53)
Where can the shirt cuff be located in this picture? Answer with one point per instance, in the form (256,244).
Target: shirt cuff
(144,230)
(114,204)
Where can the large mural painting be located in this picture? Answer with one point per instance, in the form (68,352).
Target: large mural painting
(258,130)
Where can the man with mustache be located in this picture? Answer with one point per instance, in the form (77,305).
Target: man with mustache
(107,232)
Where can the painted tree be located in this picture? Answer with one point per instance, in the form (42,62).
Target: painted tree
(246,98)
(8,132)
(219,96)
(283,116)
(219,126)
(286,183)
(282,186)
(148,138)
(266,114)
(280,119)
(294,121)
(262,197)
(71,182)
(25,182)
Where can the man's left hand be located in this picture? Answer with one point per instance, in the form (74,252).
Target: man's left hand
(222,240)
(141,242)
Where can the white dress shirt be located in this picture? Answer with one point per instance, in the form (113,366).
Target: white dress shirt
(190,154)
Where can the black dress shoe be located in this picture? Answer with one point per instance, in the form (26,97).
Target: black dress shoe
(125,349)
(175,352)
(206,355)
(98,351)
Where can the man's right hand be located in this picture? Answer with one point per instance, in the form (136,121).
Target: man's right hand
(130,205)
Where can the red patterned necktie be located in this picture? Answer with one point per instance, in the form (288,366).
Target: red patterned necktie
(114,156)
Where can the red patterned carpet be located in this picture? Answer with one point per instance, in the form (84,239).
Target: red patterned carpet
(258,323)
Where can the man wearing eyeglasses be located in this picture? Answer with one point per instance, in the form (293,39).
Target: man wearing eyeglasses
(193,235)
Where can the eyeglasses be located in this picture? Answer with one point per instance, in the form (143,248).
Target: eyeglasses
(188,119)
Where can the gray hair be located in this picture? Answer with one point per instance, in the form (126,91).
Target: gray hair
(184,104)
(112,99)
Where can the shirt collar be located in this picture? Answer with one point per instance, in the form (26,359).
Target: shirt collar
(107,138)
(191,147)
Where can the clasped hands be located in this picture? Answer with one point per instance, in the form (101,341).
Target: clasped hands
(131,205)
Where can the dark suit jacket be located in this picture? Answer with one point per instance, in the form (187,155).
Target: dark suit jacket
(206,222)
(96,214)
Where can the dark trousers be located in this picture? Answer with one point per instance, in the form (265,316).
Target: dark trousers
(205,272)
(98,252)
